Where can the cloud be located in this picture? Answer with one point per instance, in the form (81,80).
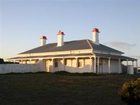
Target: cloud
(121,45)
(138,57)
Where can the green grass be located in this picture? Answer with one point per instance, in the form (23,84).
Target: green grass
(58,89)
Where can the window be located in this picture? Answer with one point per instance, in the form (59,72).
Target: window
(65,62)
(138,70)
(55,64)
(79,64)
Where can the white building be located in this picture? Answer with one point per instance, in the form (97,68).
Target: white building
(75,56)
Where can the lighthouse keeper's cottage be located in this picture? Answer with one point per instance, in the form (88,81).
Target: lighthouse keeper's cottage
(75,56)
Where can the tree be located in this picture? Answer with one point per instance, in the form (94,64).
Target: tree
(1,61)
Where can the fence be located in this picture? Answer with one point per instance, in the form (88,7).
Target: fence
(20,68)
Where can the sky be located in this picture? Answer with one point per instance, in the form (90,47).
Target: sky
(23,22)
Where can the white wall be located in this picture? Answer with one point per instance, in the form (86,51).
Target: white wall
(20,68)
(105,66)
(114,66)
(85,66)
(71,66)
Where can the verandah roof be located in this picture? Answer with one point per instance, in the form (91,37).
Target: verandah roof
(115,57)
(80,55)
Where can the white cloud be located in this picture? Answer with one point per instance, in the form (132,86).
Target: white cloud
(121,45)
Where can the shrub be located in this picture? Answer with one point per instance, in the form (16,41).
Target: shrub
(130,92)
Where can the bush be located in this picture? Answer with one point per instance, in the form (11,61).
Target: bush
(130,92)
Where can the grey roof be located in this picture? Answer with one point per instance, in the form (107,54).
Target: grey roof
(72,45)
(103,48)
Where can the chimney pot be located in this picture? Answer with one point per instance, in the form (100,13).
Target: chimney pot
(60,33)
(43,40)
(95,30)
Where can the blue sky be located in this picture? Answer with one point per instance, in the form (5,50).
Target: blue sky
(22,22)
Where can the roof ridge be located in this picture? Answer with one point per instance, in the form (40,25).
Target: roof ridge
(90,45)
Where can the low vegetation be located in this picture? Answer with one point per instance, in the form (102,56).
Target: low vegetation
(130,92)
(58,89)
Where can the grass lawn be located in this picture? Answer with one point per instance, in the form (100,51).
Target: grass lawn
(56,89)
